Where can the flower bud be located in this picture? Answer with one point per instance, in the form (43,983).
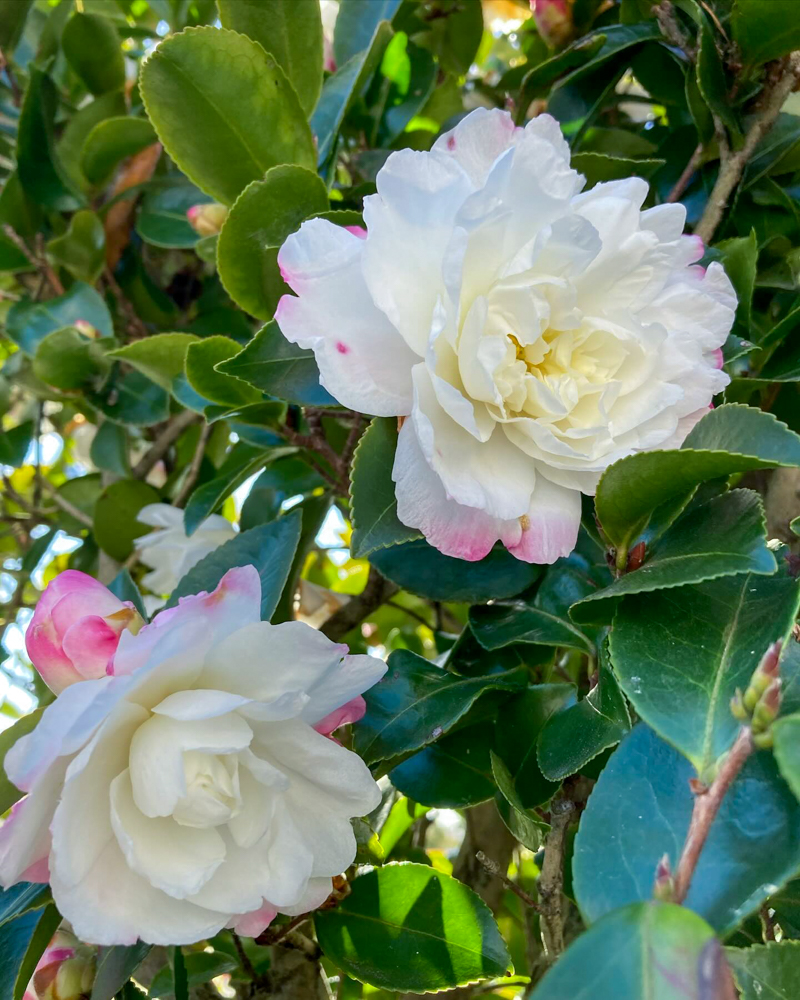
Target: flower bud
(70,979)
(85,327)
(737,707)
(769,704)
(75,630)
(207,219)
(765,673)
(554,21)
(664,887)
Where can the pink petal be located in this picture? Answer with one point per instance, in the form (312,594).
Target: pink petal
(90,644)
(352,711)
(256,922)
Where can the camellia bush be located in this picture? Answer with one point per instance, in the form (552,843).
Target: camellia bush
(399,518)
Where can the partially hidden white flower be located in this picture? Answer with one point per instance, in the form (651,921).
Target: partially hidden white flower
(170,552)
(195,788)
(532,334)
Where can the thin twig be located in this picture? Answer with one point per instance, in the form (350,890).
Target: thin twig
(494,869)
(551,880)
(244,958)
(376,592)
(52,277)
(64,504)
(412,614)
(706,807)
(39,261)
(194,469)
(732,165)
(275,935)
(688,172)
(173,430)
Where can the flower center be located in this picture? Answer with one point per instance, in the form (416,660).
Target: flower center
(212,790)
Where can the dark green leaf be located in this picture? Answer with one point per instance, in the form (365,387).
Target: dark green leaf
(82,248)
(523,823)
(68,359)
(162,219)
(123,587)
(497,625)
(648,950)
(115,524)
(640,810)
(77,130)
(408,927)
(22,898)
(739,258)
(421,569)
(521,721)
(374,504)
(417,702)
(264,214)
(356,24)
(723,537)
(291,30)
(132,399)
(115,966)
(765,29)
(680,655)
(9,794)
(15,442)
(223,109)
(268,547)
(786,733)
(452,773)
(272,364)
(573,737)
(201,968)
(28,323)
(711,79)
(92,47)
(161,357)
(731,438)
(22,944)
(765,971)
(13,14)
(180,982)
(110,142)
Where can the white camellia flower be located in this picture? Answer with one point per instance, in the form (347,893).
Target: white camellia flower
(195,788)
(532,334)
(170,552)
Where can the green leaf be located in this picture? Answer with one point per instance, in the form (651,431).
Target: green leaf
(289,29)
(132,399)
(680,655)
(523,719)
(201,358)
(22,944)
(421,569)
(499,624)
(110,142)
(180,982)
(599,167)
(283,478)
(28,323)
(374,504)
(268,547)
(115,524)
(115,966)
(723,537)
(92,47)
(356,24)
(82,492)
(22,898)
(770,970)
(19,212)
(201,968)
(161,357)
(162,218)
(711,79)
(9,794)
(648,950)
(402,816)
(416,703)
(223,109)
(573,737)
(40,170)
(523,823)
(786,733)
(272,364)
(739,258)
(409,928)
(731,438)
(261,218)
(13,14)
(15,442)
(82,248)
(340,90)
(452,773)
(68,359)
(77,130)
(765,29)
(123,587)
(640,809)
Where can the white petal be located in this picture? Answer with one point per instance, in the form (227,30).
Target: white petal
(178,860)
(363,360)
(477,141)
(317,891)
(25,833)
(199,704)
(160,515)
(341,683)
(258,805)
(551,528)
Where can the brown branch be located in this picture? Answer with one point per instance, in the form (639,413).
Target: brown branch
(494,869)
(39,261)
(194,468)
(376,592)
(244,959)
(706,807)
(551,880)
(175,427)
(672,29)
(688,172)
(732,164)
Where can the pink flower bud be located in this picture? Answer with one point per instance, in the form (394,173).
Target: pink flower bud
(66,970)
(207,219)
(86,328)
(554,21)
(75,630)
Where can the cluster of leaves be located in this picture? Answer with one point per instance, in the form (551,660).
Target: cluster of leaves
(575,706)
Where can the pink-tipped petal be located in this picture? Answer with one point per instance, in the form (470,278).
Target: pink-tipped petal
(256,922)
(353,711)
